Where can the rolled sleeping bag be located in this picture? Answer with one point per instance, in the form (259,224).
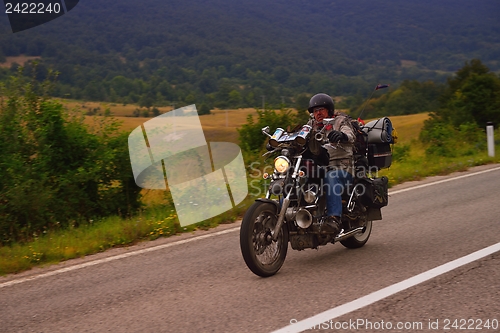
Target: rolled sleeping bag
(379,131)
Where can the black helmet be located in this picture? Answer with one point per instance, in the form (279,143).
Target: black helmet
(321,100)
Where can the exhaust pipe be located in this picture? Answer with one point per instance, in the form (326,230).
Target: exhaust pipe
(348,234)
(303,218)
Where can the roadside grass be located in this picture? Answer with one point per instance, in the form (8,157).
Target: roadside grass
(410,161)
(158,218)
(97,236)
(416,165)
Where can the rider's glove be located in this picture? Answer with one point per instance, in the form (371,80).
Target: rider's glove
(337,136)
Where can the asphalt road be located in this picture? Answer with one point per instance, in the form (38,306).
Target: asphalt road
(193,284)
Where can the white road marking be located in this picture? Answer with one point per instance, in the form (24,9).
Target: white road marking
(376,296)
(444,181)
(164,246)
(113,258)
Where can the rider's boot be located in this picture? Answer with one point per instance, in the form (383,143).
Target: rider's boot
(332,225)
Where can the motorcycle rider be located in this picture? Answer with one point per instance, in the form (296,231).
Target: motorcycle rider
(341,136)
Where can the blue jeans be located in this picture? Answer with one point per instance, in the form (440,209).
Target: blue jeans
(336,182)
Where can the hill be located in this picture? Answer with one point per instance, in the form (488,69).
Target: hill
(228,53)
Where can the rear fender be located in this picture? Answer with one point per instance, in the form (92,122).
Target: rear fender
(374,214)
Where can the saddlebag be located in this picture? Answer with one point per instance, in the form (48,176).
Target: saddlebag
(376,194)
(379,155)
(380,135)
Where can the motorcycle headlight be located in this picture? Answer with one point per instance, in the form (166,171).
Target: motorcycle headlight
(281,164)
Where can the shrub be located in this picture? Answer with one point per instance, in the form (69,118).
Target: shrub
(55,171)
(204,109)
(250,135)
(471,98)
(401,152)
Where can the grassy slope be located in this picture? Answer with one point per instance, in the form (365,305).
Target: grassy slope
(408,127)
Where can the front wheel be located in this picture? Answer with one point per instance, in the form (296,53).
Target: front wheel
(262,255)
(359,239)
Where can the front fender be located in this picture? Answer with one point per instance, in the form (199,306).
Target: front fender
(274,202)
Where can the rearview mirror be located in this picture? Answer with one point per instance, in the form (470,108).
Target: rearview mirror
(328,121)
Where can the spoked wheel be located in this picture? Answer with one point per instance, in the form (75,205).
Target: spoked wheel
(262,255)
(359,239)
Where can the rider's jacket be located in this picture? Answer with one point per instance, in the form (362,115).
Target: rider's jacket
(341,153)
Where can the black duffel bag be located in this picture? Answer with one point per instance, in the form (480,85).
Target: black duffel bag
(376,192)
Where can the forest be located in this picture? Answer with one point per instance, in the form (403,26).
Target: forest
(230,54)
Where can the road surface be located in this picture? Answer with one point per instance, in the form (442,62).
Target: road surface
(199,282)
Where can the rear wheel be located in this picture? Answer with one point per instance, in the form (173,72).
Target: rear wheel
(263,256)
(359,239)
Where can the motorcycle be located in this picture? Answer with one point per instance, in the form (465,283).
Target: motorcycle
(294,207)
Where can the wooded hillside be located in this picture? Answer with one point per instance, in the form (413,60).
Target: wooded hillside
(228,53)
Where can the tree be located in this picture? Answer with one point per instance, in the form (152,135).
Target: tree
(410,97)
(204,109)
(95,91)
(479,97)
(55,169)
(146,100)
(471,99)
(234,99)
(473,95)
(475,66)
(222,95)
(122,86)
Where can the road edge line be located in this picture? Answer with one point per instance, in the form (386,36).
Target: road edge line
(113,258)
(416,187)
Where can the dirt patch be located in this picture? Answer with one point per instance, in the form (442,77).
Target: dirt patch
(408,63)
(21,60)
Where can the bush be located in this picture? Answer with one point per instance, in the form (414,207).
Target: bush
(444,139)
(400,152)
(439,136)
(55,171)
(250,135)
(470,99)
(204,109)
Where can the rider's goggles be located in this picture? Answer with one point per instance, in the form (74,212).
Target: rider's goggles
(319,109)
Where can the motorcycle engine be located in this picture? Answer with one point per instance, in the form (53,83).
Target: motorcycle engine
(301,242)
